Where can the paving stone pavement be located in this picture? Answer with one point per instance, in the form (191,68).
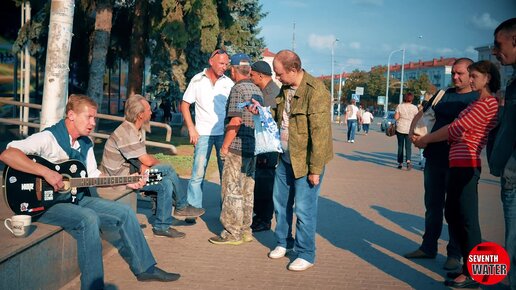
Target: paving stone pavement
(370,214)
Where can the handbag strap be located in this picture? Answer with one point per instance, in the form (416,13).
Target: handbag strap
(438,98)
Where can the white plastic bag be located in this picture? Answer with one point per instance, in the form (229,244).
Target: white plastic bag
(266,133)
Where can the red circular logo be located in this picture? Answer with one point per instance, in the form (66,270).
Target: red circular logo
(488,263)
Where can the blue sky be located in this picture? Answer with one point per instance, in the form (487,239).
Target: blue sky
(368,30)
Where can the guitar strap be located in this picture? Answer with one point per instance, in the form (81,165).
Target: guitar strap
(63,139)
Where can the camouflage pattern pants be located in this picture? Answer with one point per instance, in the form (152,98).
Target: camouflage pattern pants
(237,196)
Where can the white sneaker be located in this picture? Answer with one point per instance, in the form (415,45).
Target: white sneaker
(299,265)
(352,141)
(278,252)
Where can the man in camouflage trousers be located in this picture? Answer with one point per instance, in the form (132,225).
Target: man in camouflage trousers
(238,154)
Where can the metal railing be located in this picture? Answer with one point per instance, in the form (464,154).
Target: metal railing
(172,148)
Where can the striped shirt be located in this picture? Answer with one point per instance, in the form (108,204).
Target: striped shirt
(126,142)
(468,134)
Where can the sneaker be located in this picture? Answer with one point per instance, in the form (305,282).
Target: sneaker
(352,141)
(278,252)
(169,233)
(451,264)
(218,240)
(349,141)
(247,238)
(189,211)
(299,265)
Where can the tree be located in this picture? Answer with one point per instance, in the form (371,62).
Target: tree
(421,84)
(137,47)
(100,45)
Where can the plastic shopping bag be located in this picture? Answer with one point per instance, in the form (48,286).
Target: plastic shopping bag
(266,133)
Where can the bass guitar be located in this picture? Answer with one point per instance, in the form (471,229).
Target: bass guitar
(32,195)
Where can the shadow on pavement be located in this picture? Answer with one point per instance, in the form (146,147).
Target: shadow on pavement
(379,158)
(347,229)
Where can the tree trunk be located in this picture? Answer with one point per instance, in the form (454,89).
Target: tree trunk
(101,35)
(137,49)
(55,92)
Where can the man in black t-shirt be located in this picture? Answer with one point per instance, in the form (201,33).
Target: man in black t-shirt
(436,168)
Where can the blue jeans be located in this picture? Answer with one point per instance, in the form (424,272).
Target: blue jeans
(202,154)
(169,187)
(509,211)
(84,223)
(352,128)
(287,191)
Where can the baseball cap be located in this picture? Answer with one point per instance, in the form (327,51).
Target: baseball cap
(262,67)
(240,59)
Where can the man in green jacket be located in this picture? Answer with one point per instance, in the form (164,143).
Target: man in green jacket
(303,116)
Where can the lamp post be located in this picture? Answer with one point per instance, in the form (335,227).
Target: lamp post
(332,84)
(339,94)
(402,73)
(386,105)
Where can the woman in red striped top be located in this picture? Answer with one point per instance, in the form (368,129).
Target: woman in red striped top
(467,136)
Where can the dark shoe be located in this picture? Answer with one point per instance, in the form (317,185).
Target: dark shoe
(157,275)
(218,240)
(189,211)
(191,221)
(261,226)
(453,275)
(169,233)
(143,226)
(451,264)
(418,254)
(468,283)
(400,166)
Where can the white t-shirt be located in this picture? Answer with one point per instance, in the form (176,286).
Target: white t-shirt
(210,102)
(352,111)
(407,111)
(367,117)
(45,145)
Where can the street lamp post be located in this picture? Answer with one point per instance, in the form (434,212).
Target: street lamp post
(386,105)
(402,73)
(332,84)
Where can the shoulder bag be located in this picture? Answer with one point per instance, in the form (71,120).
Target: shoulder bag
(425,124)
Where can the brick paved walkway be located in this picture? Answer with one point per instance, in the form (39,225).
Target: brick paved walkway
(370,213)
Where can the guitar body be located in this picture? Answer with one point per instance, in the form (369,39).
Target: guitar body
(32,195)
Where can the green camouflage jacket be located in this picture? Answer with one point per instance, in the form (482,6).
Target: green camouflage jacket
(310,137)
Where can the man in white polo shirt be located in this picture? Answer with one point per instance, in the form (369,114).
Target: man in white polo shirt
(209,91)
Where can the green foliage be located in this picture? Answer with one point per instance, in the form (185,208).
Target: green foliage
(421,84)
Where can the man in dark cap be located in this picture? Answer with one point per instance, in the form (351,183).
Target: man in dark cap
(238,153)
(261,75)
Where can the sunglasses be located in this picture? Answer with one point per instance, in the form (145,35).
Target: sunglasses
(218,51)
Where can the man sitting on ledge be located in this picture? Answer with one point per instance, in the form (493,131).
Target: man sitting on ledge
(84,220)
(125,148)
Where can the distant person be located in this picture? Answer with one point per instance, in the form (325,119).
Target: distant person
(403,115)
(502,161)
(303,104)
(436,171)
(125,152)
(209,91)
(167,115)
(467,136)
(239,161)
(367,119)
(261,75)
(351,119)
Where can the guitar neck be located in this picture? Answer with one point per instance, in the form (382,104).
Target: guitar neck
(104,181)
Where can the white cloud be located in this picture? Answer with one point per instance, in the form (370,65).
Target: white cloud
(484,21)
(355,45)
(321,41)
